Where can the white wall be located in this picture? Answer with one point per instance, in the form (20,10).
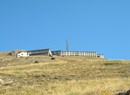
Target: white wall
(23,54)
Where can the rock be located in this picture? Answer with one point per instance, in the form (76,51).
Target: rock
(5,81)
(124,93)
(8,82)
(52,58)
(128,92)
(35,61)
(2,81)
(12,53)
(2,60)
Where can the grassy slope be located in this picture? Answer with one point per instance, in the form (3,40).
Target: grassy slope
(63,76)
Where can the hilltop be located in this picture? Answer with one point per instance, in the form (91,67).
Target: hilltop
(63,76)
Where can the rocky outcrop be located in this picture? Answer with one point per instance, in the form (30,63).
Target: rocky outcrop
(124,93)
(6,81)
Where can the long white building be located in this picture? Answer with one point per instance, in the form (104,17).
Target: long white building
(76,53)
(48,52)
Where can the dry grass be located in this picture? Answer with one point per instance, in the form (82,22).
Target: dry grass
(63,76)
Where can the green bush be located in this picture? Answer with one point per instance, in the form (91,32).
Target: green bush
(108,63)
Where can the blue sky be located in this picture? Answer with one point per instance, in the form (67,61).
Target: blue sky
(89,25)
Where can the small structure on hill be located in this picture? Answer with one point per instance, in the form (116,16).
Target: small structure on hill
(40,52)
(23,54)
(100,55)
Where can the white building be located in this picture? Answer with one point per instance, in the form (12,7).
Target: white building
(48,52)
(23,54)
(100,55)
(40,52)
(77,53)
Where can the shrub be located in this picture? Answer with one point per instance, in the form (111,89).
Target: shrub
(108,63)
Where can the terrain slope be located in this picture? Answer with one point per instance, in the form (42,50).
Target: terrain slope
(63,76)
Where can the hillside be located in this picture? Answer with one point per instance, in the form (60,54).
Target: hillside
(63,76)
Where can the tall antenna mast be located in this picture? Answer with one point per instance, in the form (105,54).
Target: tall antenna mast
(67,45)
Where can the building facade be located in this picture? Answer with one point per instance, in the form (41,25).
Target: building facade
(40,52)
(48,52)
(100,55)
(23,54)
(76,53)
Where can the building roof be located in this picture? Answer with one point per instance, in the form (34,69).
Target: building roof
(38,50)
(74,51)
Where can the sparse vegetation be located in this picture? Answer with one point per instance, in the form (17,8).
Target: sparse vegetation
(63,76)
